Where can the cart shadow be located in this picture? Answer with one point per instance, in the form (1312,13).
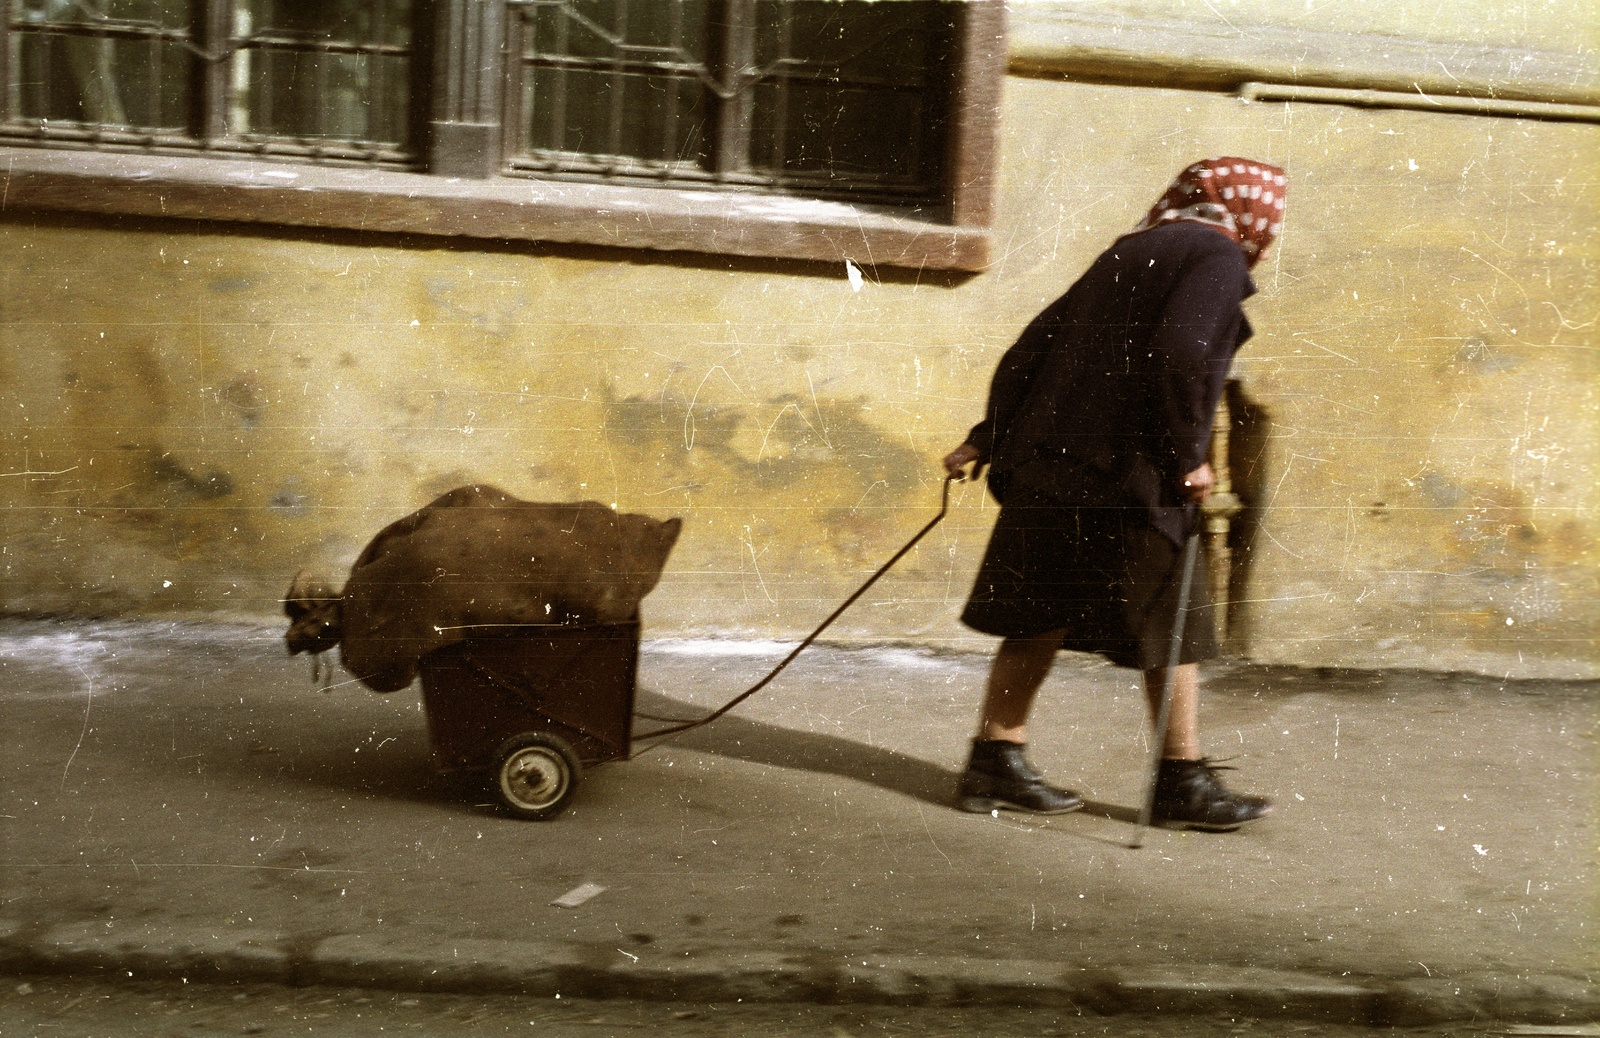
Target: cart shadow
(757,742)
(400,770)
(399,767)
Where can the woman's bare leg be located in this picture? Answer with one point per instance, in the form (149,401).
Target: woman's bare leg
(1188,793)
(1019,668)
(998,776)
(1183,721)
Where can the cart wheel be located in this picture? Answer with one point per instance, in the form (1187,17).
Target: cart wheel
(537,775)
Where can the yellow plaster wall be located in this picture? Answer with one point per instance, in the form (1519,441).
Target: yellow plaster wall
(191,413)
(1557,25)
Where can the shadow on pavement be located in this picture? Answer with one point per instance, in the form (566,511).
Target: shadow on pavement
(343,758)
(762,743)
(1114,812)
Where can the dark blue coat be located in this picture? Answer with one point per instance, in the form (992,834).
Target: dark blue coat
(1108,396)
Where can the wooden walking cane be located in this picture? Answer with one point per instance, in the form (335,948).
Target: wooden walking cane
(1164,714)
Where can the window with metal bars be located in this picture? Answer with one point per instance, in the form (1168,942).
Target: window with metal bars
(327,80)
(521,119)
(818,97)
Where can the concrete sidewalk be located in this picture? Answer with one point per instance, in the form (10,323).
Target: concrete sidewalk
(179,801)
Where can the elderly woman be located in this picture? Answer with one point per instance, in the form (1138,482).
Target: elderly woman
(1095,439)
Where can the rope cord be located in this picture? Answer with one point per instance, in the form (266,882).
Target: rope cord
(663,734)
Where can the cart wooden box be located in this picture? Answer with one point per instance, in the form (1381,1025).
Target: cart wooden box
(531,706)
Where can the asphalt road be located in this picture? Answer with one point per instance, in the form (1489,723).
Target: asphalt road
(1434,835)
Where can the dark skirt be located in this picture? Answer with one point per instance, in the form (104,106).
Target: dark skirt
(1098,572)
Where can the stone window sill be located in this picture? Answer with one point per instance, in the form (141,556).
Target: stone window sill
(500,209)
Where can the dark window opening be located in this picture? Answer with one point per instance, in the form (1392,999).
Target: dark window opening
(529,120)
(820,97)
(329,80)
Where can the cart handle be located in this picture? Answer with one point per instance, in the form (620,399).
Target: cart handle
(662,734)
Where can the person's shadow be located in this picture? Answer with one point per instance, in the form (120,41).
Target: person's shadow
(404,771)
(761,743)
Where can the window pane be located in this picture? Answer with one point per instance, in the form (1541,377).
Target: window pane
(336,70)
(170,14)
(672,30)
(614,79)
(838,97)
(348,21)
(847,134)
(112,63)
(891,39)
(852,91)
(658,118)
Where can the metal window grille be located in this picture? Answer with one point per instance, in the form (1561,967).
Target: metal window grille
(839,98)
(824,98)
(327,81)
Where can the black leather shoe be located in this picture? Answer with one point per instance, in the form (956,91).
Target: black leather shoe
(1190,796)
(998,778)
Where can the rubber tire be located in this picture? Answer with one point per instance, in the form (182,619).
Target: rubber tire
(550,762)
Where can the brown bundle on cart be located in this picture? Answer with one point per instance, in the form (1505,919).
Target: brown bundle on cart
(522,619)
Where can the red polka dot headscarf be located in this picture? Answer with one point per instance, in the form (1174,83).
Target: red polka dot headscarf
(1239,197)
